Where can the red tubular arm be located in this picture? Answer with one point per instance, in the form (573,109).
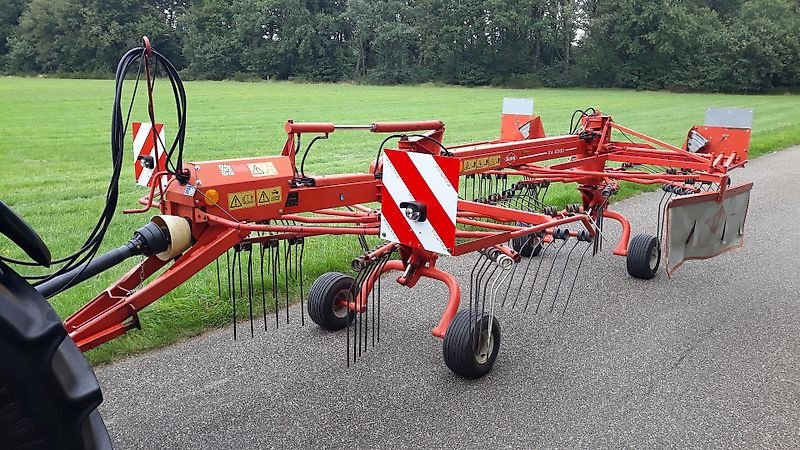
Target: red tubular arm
(399,127)
(309,127)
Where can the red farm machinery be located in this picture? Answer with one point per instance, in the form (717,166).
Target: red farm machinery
(422,198)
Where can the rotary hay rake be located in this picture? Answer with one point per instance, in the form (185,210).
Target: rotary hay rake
(424,199)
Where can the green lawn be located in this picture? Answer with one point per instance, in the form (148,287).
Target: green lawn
(54,147)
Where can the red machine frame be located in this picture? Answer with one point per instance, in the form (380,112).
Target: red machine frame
(593,160)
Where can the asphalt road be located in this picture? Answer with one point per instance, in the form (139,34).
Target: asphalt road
(709,358)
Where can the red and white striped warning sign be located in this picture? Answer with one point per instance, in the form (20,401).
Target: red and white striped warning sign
(148,153)
(420,200)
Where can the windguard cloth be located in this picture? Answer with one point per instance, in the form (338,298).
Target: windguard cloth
(701,226)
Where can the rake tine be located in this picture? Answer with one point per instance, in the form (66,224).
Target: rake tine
(483,301)
(513,272)
(561,278)
(228,269)
(473,188)
(663,215)
(536,274)
(364,329)
(377,287)
(302,290)
(357,283)
(219,281)
(658,218)
(479,279)
(275,252)
(250,286)
(549,272)
(544,194)
(501,278)
(577,270)
(239,249)
(263,294)
(524,275)
(472,279)
(287,254)
(233,294)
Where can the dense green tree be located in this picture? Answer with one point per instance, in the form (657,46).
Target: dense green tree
(763,49)
(81,35)
(10,11)
(731,45)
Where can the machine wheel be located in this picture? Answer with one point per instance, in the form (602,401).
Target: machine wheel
(644,256)
(326,292)
(527,246)
(461,355)
(48,391)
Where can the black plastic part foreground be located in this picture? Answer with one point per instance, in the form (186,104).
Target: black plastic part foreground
(48,391)
(23,235)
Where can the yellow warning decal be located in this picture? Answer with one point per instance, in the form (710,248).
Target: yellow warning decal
(486,162)
(241,200)
(264,169)
(269,196)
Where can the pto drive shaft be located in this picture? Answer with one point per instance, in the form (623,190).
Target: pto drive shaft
(147,240)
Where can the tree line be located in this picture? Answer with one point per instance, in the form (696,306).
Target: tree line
(706,45)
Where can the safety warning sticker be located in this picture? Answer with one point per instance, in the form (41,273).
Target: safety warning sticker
(269,196)
(486,162)
(264,169)
(226,170)
(241,200)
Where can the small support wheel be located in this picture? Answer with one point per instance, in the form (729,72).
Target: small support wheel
(470,348)
(644,256)
(529,245)
(327,301)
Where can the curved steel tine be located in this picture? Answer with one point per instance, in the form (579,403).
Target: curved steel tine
(263,288)
(275,252)
(662,225)
(577,271)
(530,259)
(287,255)
(549,272)
(485,284)
(473,279)
(219,280)
(561,278)
(658,217)
(250,286)
(232,277)
(536,274)
(498,281)
(302,243)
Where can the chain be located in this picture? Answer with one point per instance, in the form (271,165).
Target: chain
(141,276)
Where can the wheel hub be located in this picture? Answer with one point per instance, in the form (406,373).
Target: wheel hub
(653,262)
(340,306)
(485,347)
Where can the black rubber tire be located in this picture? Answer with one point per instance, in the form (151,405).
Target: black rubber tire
(458,347)
(644,256)
(48,391)
(322,297)
(533,241)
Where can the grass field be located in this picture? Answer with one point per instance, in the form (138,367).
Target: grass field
(54,148)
